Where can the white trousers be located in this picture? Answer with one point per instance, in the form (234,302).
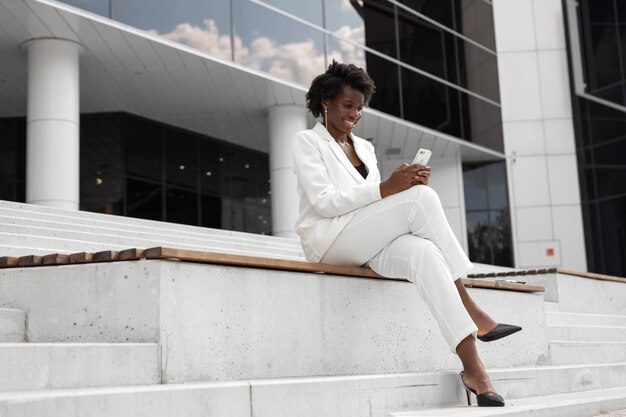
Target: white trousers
(407,235)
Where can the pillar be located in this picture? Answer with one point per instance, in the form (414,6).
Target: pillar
(284,122)
(52,132)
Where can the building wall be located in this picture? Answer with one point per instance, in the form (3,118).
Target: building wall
(538,134)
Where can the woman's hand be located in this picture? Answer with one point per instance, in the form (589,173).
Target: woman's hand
(403,177)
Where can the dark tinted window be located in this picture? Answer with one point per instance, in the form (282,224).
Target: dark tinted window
(487,210)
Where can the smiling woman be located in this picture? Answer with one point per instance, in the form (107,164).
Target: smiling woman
(397,226)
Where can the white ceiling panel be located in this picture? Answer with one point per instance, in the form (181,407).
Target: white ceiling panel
(208,98)
(282,94)
(224,86)
(245,90)
(12,28)
(144,51)
(169,56)
(54,21)
(263,91)
(29,21)
(120,48)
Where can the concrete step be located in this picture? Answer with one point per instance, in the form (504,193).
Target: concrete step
(112,228)
(12,325)
(349,396)
(587,333)
(15,244)
(578,404)
(21,214)
(28,366)
(554,318)
(582,352)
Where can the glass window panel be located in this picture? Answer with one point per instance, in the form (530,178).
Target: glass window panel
(425,46)
(613,235)
(181,158)
(478,70)
(346,52)
(201,24)
(143,141)
(380,27)
(609,180)
(9,157)
(603,64)
(309,10)
(101,169)
(479,236)
(214,167)
(475,188)
(144,199)
(345,20)
(482,123)
(211,211)
(101,7)
(501,239)
(603,123)
(497,187)
(601,11)
(431,103)
(385,75)
(441,11)
(269,42)
(181,206)
(477,22)
(471,18)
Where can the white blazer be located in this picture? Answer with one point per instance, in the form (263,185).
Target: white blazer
(330,187)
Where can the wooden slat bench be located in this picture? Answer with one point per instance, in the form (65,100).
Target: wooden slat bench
(186,255)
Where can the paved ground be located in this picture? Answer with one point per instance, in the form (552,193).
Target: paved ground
(616,413)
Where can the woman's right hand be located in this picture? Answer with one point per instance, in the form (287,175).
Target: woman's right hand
(403,177)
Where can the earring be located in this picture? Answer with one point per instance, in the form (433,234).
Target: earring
(326,117)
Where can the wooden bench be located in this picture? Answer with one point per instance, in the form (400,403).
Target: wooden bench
(186,255)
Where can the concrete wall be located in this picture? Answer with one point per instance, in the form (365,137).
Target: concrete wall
(228,323)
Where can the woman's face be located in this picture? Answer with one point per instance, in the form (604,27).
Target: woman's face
(344,111)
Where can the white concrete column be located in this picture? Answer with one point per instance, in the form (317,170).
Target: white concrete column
(284,122)
(539,134)
(52,144)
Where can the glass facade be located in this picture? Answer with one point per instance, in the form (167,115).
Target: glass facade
(488,215)
(434,62)
(139,168)
(600,135)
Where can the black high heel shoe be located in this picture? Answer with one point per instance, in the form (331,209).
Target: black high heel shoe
(486,399)
(498,332)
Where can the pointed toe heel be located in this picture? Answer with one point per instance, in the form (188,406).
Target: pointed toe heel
(486,399)
(500,331)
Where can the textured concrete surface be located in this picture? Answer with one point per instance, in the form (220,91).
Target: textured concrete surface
(30,366)
(12,325)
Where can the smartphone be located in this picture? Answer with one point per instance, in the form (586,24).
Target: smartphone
(422,156)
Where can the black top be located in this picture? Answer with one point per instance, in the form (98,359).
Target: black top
(362,169)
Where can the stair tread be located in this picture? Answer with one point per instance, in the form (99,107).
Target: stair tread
(525,405)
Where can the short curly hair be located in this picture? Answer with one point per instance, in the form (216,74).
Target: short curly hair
(328,85)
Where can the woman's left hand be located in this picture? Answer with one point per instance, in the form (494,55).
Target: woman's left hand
(422,175)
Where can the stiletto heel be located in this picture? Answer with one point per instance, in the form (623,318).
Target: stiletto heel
(498,332)
(467,394)
(486,399)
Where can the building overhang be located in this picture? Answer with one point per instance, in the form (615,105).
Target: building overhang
(126,69)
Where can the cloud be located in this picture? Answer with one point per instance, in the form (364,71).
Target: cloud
(293,61)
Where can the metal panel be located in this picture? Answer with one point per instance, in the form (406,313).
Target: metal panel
(53,20)
(120,48)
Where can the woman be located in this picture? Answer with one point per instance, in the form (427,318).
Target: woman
(348,216)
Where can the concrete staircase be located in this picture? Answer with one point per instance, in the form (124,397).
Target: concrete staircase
(162,338)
